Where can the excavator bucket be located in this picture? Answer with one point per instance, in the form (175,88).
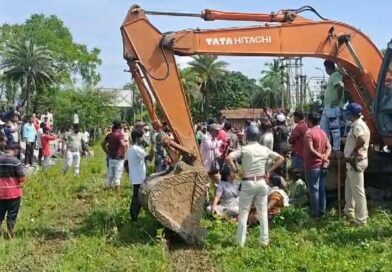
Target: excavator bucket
(177,200)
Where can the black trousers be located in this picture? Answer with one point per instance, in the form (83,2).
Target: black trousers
(40,155)
(29,154)
(9,207)
(135,204)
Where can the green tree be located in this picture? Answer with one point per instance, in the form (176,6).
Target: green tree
(95,108)
(191,83)
(207,70)
(233,90)
(73,60)
(272,86)
(29,65)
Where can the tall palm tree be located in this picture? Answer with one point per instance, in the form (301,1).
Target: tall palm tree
(272,81)
(28,64)
(191,83)
(208,69)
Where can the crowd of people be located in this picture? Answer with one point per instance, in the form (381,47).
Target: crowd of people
(285,160)
(28,143)
(277,160)
(276,165)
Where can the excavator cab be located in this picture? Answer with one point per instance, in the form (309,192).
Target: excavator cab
(383,102)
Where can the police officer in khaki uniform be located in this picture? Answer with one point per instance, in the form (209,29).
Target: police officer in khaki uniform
(356,152)
(254,186)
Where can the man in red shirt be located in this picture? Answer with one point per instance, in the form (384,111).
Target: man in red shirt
(46,138)
(316,153)
(12,178)
(114,146)
(297,140)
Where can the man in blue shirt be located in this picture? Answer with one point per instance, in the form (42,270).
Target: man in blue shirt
(29,135)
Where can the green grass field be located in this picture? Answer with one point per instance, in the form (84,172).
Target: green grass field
(72,224)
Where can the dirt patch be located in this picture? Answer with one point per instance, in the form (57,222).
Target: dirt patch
(185,257)
(191,259)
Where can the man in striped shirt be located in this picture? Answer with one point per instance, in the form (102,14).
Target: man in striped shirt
(12,178)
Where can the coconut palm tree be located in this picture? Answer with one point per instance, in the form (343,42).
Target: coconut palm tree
(30,65)
(207,70)
(272,82)
(191,83)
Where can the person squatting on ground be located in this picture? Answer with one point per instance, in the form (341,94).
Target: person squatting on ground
(29,135)
(12,178)
(74,146)
(137,157)
(356,154)
(333,100)
(277,196)
(226,201)
(316,158)
(254,188)
(298,192)
(114,146)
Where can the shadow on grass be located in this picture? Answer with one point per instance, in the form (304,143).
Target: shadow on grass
(49,234)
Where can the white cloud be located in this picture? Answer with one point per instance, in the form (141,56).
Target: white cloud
(182,62)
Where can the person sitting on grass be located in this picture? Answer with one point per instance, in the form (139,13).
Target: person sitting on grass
(297,189)
(226,201)
(277,197)
(12,178)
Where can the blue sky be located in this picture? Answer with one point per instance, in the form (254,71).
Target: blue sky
(97,23)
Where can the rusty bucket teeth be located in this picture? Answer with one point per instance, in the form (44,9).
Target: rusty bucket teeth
(177,200)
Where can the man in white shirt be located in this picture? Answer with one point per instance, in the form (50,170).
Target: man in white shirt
(137,157)
(254,188)
(49,114)
(74,146)
(209,147)
(75,118)
(86,137)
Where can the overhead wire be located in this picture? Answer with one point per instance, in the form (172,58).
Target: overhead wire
(307,8)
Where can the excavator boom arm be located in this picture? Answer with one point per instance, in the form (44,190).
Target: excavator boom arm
(154,52)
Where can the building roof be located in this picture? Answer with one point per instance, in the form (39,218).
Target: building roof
(242,113)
